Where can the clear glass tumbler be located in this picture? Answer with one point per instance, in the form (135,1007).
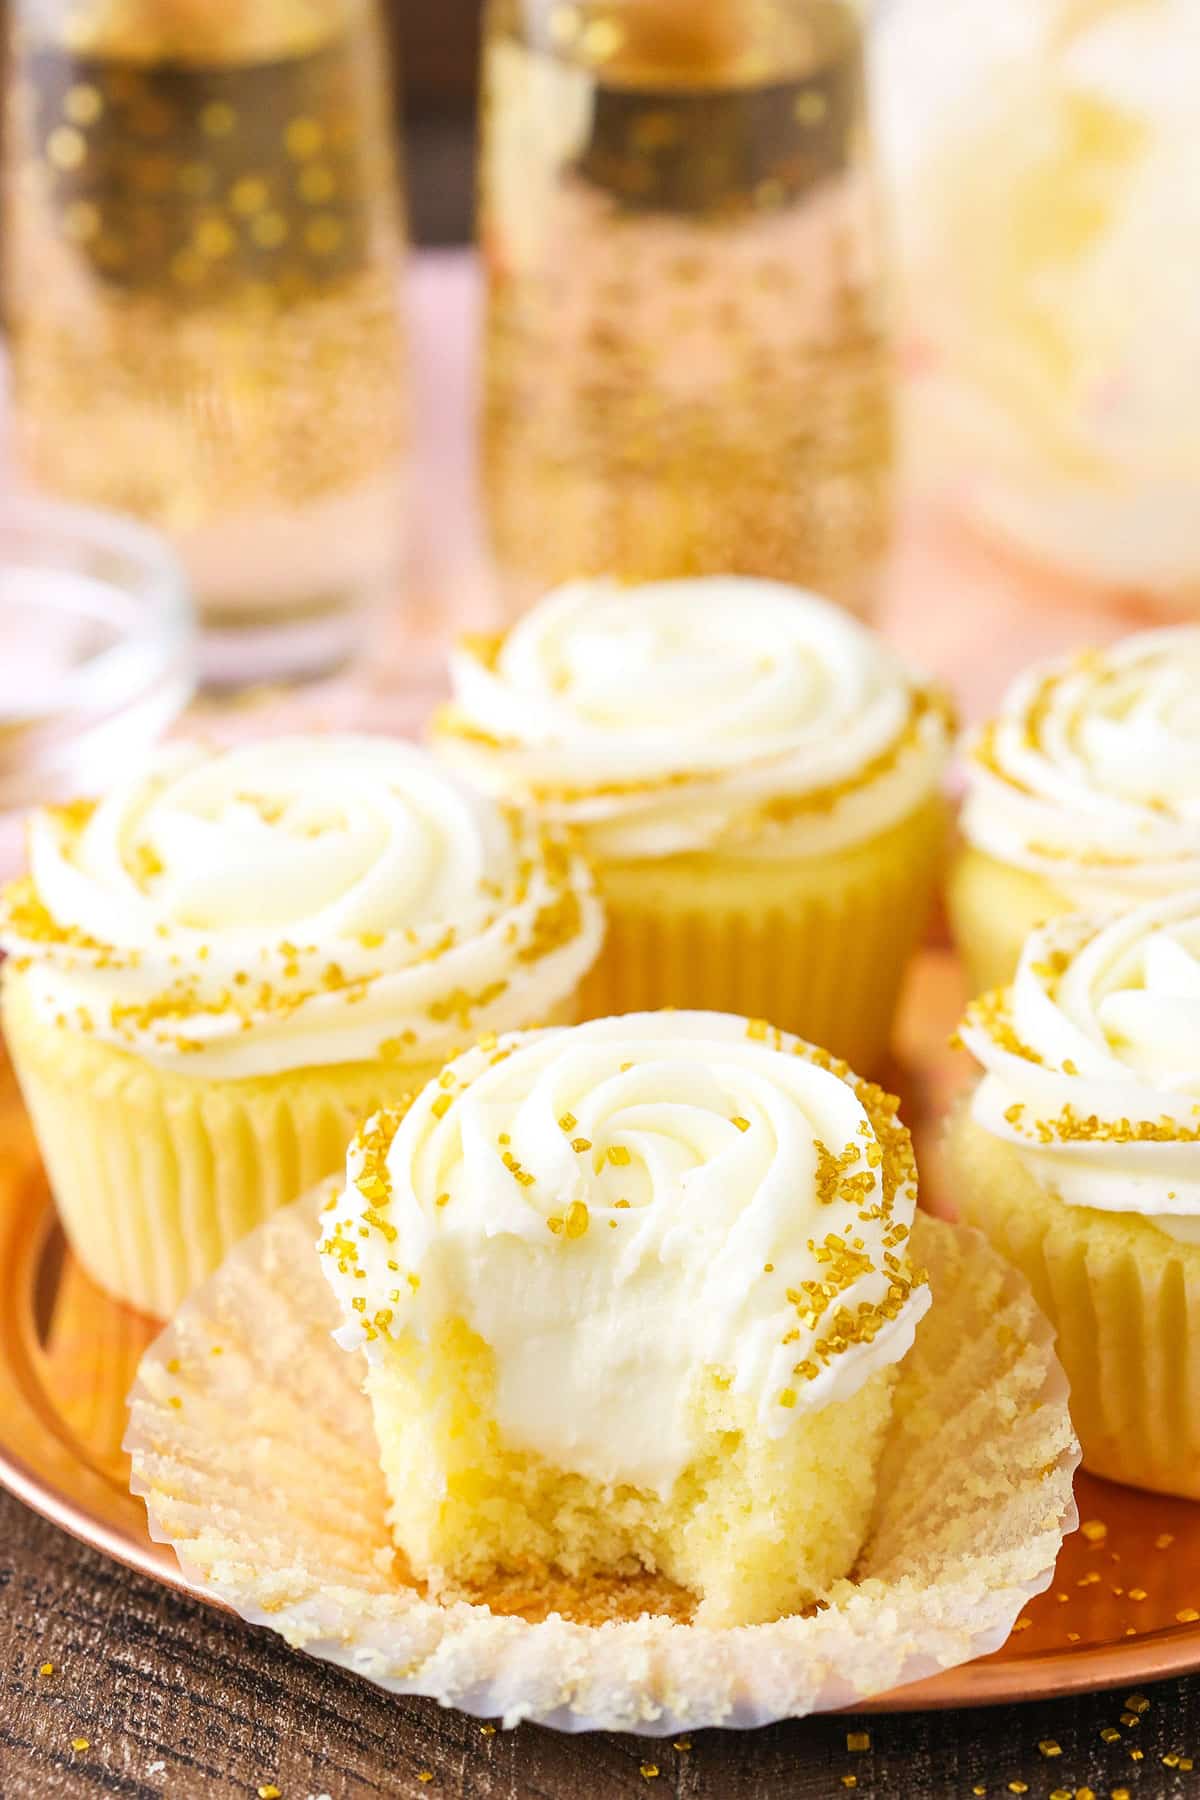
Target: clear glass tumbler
(202,265)
(686,361)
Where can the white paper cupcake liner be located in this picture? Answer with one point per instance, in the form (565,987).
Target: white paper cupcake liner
(252,1445)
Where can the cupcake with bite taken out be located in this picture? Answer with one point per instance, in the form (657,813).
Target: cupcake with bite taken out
(633,1296)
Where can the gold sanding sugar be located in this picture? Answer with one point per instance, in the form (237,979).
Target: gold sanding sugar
(1049,1747)
(1094,1530)
(858,1740)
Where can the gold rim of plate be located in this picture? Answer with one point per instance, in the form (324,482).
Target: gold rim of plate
(1117,1612)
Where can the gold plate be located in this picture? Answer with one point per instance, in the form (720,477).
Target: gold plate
(1116,1613)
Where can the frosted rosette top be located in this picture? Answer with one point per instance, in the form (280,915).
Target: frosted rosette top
(1090,773)
(681,716)
(295,902)
(1092,1062)
(620,1207)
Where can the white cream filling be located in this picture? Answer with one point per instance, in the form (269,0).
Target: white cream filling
(602,1316)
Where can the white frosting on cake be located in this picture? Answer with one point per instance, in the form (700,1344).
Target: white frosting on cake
(1090,773)
(1092,1062)
(617,1208)
(297,901)
(689,715)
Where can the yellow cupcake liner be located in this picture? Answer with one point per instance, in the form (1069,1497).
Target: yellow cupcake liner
(818,947)
(260,1466)
(1124,1299)
(156,1174)
(993,906)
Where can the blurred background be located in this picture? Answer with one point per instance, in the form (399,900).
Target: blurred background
(385,317)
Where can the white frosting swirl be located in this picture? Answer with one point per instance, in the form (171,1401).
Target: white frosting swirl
(1090,775)
(687,715)
(298,901)
(1092,1062)
(619,1207)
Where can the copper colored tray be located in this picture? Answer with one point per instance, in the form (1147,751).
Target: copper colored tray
(1124,1607)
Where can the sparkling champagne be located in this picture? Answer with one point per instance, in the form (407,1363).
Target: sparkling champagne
(686,365)
(202,295)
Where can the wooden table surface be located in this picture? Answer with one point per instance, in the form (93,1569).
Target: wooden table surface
(174,1698)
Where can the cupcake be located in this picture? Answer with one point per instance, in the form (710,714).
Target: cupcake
(218,970)
(754,777)
(1083,795)
(632,1296)
(1079,1156)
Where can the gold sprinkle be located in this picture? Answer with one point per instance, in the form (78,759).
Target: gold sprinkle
(1164,1540)
(441,1106)
(303,137)
(268,1791)
(487,1731)
(1018,1787)
(1110,1735)
(648,1771)
(1094,1530)
(768,1268)
(1137,1593)
(1022,1624)
(577,1219)
(568,1122)
(47,1668)
(858,1740)
(788,1398)
(1128,1718)
(619,1155)
(80,1743)
(580,1144)
(1049,1747)
(1137,1703)
(173,1365)
(176,1402)
(757,1029)
(1119,1793)
(1187,1615)
(681,1744)
(66,147)
(1136,1755)
(218,119)
(742,1124)
(442,1200)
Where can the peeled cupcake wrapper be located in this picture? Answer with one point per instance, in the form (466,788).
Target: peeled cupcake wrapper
(253,1447)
